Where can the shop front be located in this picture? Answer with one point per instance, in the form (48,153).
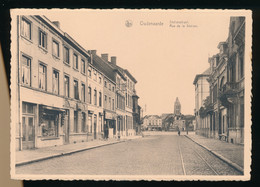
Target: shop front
(50,129)
(109,124)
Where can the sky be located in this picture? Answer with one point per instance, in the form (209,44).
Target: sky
(163,59)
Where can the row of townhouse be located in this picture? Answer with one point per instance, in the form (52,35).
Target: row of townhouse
(152,122)
(62,93)
(219,91)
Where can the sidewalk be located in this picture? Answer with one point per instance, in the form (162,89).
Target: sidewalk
(233,154)
(35,155)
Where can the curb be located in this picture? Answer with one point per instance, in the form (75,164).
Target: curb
(229,162)
(66,153)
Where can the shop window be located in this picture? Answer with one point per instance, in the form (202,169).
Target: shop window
(66,86)
(42,39)
(26,70)
(66,55)
(26,29)
(42,77)
(55,82)
(49,124)
(55,48)
(75,122)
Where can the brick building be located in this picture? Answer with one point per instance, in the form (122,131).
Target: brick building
(49,81)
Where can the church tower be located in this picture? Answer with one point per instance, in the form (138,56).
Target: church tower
(177,107)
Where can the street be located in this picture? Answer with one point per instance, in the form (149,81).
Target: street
(151,155)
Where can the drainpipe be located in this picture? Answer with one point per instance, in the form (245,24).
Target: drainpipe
(18,88)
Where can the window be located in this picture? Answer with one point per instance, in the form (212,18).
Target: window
(105,84)
(90,123)
(83,92)
(55,48)
(95,97)
(100,123)
(75,122)
(100,80)
(66,55)
(109,101)
(83,121)
(42,39)
(95,75)
(42,77)
(100,99)
(75,61)
(83,66)
(126,99)
(89,72)
(241,62)
(105,101)
(109,87)
(66,86)
(76,89)
(113,104)
(26,70)
(55,82)
(113,89)
(89,95)
(26,29)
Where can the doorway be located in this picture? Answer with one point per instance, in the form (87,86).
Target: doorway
(95,126)
(67,127)
(28,132)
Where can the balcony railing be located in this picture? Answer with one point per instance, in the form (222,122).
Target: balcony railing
(229,86)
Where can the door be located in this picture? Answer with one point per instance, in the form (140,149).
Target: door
(28,132)
(95,127)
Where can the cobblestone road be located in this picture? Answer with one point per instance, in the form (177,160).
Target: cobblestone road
(152,155)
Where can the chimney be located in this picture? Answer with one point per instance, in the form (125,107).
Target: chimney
(222,46)
(113,60)
(57,23)
(93,52)
(104,56)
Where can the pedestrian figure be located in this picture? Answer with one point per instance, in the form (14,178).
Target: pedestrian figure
(179,132)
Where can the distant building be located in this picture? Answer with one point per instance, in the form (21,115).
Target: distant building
(201,93)
(177,107)
(152,122)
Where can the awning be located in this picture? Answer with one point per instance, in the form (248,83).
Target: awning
(52,108)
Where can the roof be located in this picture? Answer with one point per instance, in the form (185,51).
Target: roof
(148,116)
(204,74)
(102,66)
(130,76)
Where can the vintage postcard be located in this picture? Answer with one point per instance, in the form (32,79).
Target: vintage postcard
(131,94)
